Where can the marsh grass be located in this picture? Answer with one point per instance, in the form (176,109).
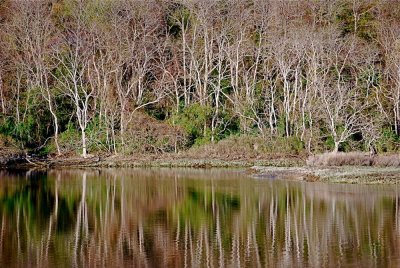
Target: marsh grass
(354,159)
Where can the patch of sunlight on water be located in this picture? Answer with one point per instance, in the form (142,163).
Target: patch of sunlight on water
(193,218)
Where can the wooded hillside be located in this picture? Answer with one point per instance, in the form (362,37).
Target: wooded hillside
(128,76)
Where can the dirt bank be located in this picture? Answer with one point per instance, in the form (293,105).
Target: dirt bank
(274,167)
(162,160)
(11,157)
(172,160)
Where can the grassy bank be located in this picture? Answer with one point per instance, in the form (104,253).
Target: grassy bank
(262,160)
(333,168)
(245,151)
(170,160)
(354,159)
(352,167)
(344,174)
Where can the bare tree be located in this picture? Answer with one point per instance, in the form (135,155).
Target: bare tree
(33,30)
(341,101)
(134,54)
(390,36)
(271,68)
(74,55)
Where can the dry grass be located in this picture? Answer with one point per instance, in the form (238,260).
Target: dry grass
(248,147)
(387,160)
(354,159)
(148,135)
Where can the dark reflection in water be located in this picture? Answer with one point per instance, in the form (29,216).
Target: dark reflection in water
(193,218)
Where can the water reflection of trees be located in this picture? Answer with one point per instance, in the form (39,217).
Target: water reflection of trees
(193,218)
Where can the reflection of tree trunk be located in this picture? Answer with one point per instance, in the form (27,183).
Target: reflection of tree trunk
(113,199)
(79,219)
(238,246)
(213,197)
(141,238)
(178,231)
(209,253)
(3,227)
(287,224)
(235,253)
(28,238)
(287,249)
(18,233)
(296,231)
(186,246)
(397,214)
(176,187)
(192,264)
(53,218)
(142,249)
(122,229)
(256,247)
(273,209)
(200,246)
(305,224)
(219,241)
(248,242)
(191,245)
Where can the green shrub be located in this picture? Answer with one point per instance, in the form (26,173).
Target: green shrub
(27,133)
(70,139)
(388,141)
(193,119)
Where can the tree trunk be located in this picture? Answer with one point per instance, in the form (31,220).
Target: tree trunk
(55,126)
(56,137)
(2,99)
(336,149)
(113,137)
(84,150)
(122,127)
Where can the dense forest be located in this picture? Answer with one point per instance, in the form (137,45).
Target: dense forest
(135,76)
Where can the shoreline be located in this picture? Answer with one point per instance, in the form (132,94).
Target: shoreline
(278,167)
(334,174)
(170,160)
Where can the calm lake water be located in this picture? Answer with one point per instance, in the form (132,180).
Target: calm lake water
(193,218)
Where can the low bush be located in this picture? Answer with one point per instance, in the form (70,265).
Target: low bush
(148,135)
(192,120)
(144,134)
(7,141)
(69,140)
(239,147)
